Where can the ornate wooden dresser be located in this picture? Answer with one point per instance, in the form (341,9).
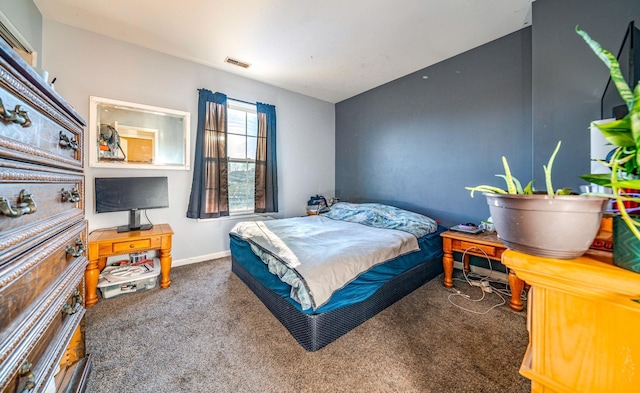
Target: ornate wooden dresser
(43,234)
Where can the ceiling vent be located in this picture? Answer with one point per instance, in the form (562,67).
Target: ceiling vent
(237,62)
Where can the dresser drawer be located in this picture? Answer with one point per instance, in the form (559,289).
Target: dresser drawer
(33,129)
(33,283)
(46,352)
(50,201)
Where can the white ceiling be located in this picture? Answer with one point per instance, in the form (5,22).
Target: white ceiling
(330,49)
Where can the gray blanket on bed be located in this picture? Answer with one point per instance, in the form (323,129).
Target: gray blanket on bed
(326,254)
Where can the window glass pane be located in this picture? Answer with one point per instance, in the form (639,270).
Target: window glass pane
(241,186)
(252,146)
(236,121)
(236,146)
(252,124)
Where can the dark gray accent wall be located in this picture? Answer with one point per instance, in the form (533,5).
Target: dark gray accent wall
(569,79)
(418,141)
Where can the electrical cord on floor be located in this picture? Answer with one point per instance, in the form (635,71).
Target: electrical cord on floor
(505,289)
(480,283)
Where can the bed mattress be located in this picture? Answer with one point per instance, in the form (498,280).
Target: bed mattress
(361,299)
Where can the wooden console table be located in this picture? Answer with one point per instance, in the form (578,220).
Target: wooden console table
(583,318)
(104,243)
(475,245)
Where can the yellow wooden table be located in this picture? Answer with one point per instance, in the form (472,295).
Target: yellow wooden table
(104,243)
(583,321)
(485,245)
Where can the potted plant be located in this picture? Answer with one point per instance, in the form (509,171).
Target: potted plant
(554,224)
(624,136)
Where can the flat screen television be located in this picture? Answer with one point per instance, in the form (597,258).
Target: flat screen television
(132,194)
(611,104)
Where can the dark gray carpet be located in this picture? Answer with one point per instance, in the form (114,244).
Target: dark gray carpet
(209,333)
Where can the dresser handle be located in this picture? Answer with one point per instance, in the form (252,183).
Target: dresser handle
(78,251)
(72,196)
(17,115)
(70,310)
(66,142)
(26,205)
(25,372)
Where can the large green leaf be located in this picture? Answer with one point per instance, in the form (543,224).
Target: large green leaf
(601,179)
(618,132)
(614,67)
(634,184)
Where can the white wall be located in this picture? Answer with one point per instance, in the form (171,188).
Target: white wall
(87,64)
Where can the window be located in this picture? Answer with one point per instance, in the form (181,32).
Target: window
(242,142)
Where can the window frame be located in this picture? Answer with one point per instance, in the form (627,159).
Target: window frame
(247,108)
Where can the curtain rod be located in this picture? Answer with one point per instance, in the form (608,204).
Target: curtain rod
(234,99)
(243,101)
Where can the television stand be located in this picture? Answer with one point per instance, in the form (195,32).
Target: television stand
(127,228)
(104,243)
(134,223)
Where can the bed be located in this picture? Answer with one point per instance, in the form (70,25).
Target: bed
(323,275)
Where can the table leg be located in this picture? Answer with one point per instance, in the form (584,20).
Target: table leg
(447,263)
(165,268)
(516,285)
(465,264)
(91,275)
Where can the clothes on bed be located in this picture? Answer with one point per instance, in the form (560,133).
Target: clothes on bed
(317,255)
(383,216)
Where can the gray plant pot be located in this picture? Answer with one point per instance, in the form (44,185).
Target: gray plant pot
(561,226)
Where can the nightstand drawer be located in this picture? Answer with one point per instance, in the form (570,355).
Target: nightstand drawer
(490,251)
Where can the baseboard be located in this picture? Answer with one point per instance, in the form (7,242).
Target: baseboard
(201,258)
(484,272)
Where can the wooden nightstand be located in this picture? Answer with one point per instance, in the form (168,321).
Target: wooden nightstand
(104,243)
(583,318)
(475,245)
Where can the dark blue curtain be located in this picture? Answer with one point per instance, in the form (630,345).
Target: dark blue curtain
(209,188)
(266,194)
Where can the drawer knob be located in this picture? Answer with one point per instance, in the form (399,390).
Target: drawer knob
(72,196)
(69,309)
(78,250)
(17,115)
(25,372)
(65,142)
(26,205)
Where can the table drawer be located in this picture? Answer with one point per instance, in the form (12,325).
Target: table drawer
(489,250)
(133,245)
(34,130)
